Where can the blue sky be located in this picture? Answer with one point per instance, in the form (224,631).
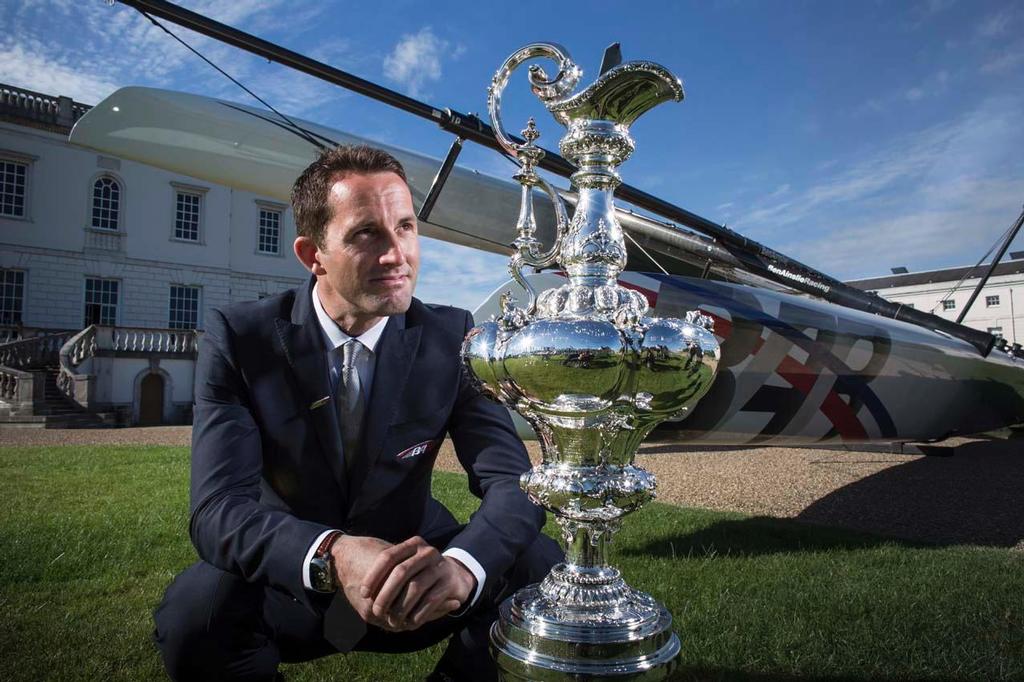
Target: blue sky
(852,136)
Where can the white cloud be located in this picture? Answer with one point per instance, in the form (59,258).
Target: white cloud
(928,197)
(458,275)
(416,60)
(115,46)
(1005,61)
(995,24)
(28,66)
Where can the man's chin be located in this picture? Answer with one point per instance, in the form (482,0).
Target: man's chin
(394,304)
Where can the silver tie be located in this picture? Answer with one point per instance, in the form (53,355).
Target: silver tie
(351,401)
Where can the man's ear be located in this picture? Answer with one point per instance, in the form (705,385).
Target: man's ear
(308,254)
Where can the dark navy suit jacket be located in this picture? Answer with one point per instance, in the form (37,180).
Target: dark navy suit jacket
(267,468)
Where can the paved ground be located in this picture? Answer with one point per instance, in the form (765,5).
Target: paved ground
(964,491)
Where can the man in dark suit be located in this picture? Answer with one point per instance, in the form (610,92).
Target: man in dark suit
(318,415)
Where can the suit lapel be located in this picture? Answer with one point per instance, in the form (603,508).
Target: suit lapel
(306,352)
(394,358)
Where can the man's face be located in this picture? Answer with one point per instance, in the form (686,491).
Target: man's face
(370,254)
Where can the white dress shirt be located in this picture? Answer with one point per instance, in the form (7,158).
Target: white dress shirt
(335,338)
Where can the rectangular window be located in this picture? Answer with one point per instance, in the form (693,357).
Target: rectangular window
(948,305)
(13,182)
(184,308)
(100,301)
(12,296)
(996,331)
(186,216)
(270,231)
(991,301)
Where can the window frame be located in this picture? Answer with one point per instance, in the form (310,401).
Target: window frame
(199,306)
(28,160)
(120,204)
(178,188)
(948,304)
(270,206)
(992,301)
(85,301)
(24,291)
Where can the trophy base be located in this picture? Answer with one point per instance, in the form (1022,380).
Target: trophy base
(536,640)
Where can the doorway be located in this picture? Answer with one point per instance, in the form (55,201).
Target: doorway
(151,400)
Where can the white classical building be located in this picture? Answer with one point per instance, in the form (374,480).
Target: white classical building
(116,263)
(999,308)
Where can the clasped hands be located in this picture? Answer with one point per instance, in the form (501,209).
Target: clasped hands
(399,587)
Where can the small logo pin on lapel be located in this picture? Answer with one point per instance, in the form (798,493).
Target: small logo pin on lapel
(416,450)
(320,402)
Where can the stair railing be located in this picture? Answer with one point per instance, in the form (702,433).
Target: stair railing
(73,353)
(21,389)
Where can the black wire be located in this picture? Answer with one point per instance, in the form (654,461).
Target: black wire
(970,271)
(299,129)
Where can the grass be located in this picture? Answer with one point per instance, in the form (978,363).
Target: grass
(89,538)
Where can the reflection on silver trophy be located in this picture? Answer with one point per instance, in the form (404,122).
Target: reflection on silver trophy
(593,374)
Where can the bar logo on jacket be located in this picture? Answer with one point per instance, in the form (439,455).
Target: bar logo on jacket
(417,450)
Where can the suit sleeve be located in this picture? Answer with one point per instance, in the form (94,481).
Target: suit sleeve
(229,526)
(494,457)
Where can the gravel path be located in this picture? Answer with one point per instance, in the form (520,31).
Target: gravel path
(968,492)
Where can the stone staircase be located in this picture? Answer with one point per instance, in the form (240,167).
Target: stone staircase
(55,411)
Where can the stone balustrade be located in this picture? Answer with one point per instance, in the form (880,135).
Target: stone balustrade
(56,111)
(75,351)
(96,340)
(37,351)
(153,340)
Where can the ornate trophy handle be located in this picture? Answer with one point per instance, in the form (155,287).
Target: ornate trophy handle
(528,253)
(546,89)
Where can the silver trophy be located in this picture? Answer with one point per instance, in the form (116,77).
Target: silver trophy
(593,374)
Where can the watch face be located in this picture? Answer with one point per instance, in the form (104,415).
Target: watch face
(320,575)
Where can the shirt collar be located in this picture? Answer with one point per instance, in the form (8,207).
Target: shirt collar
(336,338)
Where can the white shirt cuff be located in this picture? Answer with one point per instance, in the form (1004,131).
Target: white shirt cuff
(309,558)
(467,560)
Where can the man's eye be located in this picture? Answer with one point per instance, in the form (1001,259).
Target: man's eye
(407,226)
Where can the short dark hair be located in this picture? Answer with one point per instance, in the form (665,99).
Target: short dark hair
(310,192)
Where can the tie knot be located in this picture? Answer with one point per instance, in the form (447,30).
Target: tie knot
(351,351)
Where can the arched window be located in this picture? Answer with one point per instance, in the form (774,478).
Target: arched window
(106,203)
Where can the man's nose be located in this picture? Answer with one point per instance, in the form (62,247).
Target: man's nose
(394,252)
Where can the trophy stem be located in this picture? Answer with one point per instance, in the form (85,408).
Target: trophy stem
(586,544)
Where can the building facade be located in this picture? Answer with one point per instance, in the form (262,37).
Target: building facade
(999,308)
(133,252)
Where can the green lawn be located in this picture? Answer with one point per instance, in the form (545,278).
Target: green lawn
(89,538)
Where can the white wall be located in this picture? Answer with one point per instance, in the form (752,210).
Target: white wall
(1008,314)
(56,247)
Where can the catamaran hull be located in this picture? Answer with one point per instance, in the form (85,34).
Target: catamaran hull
(795,370)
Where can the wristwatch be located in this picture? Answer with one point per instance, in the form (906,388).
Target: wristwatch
(321,566)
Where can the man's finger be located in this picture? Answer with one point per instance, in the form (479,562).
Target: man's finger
(425,558)
(416,589)
(384,563)
(435,604)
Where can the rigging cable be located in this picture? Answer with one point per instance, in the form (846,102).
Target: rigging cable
(302,132)
(969,271)
(644,251)
(296,128)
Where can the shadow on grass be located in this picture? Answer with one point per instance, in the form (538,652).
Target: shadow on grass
(964,494)
(970,494)
(704,674)
(759,535)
